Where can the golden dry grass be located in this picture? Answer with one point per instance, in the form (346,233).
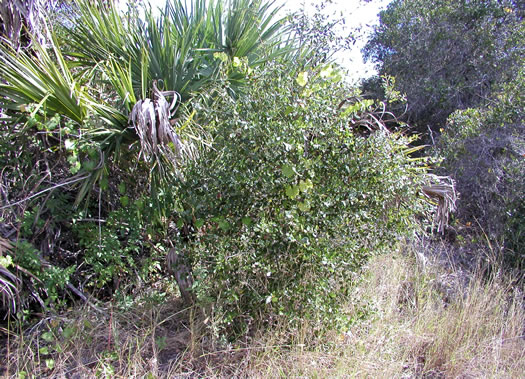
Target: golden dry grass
(431,322)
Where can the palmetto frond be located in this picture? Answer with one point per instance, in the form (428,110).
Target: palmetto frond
(151,120)
(46,80)
(176,48)
(121,77)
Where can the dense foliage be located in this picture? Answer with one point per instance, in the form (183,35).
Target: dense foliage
(292,197)
(95,121)
(264,182)
(484,149)
(460,64)
(200,176)
(448,54)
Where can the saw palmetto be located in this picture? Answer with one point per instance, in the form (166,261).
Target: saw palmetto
(125,78)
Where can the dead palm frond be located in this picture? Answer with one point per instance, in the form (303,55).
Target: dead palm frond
(442,193)
(17,15)
(151,120)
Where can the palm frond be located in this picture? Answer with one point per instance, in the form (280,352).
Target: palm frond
(442,193)
(29,80)
(151,120)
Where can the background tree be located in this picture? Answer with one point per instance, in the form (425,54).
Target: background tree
(447,54)
(460,64)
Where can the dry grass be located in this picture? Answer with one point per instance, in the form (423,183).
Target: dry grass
(427,322)
(414,321)
(150,340)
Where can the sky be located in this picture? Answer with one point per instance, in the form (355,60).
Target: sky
(356,13)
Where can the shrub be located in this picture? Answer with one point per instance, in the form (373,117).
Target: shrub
(292,198)
(483,150)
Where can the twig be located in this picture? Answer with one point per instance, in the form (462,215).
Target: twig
(84,298)
(44,191)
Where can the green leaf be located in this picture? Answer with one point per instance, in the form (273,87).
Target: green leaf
(302,78)
(305,185)
(287,171)
(307,92)
(122,188)
(44,350)
(6,261)
(48,337)
(221,56)
(326,72)
(88,165)
(224,225)
(247,221)
(68,332)
(104,183)
(304,206)
(292,191)
(337,78)
(50,363)
(124,200)
(199,223)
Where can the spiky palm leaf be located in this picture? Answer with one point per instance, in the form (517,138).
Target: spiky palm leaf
(44,80)
(131,57)
(176,49)
(245,27)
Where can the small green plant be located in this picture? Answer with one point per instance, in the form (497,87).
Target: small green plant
(114,249)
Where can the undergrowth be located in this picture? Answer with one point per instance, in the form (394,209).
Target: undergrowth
(415,314)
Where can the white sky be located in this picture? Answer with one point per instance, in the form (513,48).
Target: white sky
(356,14)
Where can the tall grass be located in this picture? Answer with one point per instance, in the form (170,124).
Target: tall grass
(410,320)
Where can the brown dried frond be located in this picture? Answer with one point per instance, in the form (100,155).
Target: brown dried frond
(151,120)
(443,190)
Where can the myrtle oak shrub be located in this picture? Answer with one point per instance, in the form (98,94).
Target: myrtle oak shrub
(291,199)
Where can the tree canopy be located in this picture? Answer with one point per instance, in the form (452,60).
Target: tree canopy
(448,54)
